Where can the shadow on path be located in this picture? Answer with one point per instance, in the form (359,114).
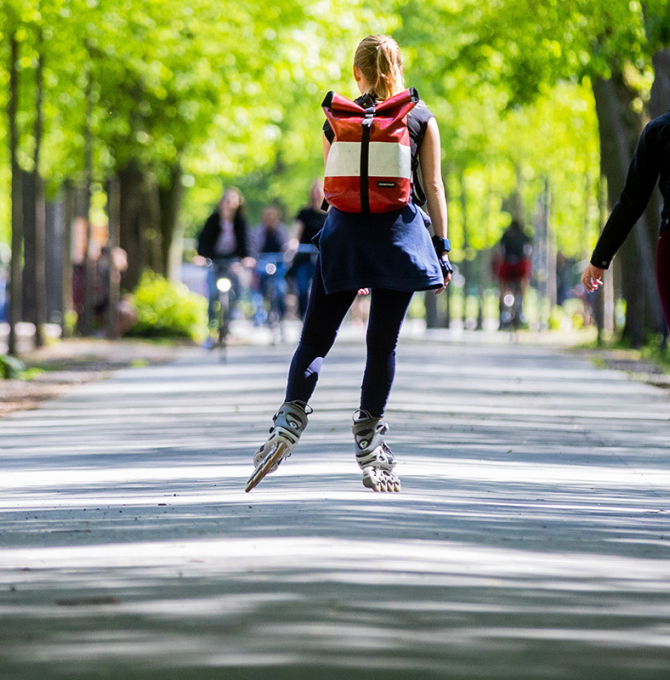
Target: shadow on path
(531,539)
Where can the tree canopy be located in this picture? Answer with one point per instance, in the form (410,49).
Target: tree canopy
(230,91)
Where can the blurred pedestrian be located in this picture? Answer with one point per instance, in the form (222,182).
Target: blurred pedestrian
(308,224)
(268,242)
(270,235)
(651,159)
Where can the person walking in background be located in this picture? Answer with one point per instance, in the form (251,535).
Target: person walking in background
(651,160)
(390,253)
(224,241)
(308,224)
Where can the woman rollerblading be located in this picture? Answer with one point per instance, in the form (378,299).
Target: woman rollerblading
(375,238)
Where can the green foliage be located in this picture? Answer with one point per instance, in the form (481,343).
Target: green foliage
(165,309)
(231,90)
(11,367)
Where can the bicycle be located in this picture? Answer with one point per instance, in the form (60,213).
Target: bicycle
(221,307)
(511,305)
(270,269)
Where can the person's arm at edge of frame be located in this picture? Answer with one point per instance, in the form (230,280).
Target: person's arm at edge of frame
(640,182)
(430,159)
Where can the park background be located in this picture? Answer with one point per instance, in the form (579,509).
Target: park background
(125,119)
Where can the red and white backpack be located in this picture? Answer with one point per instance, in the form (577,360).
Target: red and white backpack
(369,167)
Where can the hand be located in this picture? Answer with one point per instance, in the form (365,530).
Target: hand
(592,278)
(447,279)
(447,271)
(363,291)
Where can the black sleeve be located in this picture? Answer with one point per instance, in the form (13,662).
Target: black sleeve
(241,229)
(208,235)
(640,182)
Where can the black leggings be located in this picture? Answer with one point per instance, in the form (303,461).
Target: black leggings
(322,321)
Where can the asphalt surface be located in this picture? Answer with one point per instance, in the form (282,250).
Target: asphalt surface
(531,538)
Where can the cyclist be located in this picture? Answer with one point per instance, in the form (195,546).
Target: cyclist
(224,241)
(512,266)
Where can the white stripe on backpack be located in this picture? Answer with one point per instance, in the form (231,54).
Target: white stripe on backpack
(386,160)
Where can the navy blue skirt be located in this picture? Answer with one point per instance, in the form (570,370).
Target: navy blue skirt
(389,250)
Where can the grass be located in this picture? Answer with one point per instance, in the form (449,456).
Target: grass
(652,352)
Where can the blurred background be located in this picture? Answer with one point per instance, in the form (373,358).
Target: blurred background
(124,121)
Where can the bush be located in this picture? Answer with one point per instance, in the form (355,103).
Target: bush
(10,367)
(166,309)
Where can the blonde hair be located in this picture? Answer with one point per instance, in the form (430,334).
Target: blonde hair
(379,60)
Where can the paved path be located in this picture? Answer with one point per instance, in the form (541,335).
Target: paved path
(531,539)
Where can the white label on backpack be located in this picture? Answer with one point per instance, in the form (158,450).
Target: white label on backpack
(386,159)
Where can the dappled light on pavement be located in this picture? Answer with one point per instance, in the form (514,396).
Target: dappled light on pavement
(531,538)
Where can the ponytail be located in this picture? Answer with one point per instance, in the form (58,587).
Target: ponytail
(379,60)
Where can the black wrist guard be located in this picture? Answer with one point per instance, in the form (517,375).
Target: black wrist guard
(441,245)
(445,265)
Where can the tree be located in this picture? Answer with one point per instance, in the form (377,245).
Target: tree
(609,45)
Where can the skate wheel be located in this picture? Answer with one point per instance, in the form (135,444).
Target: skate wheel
(265,467)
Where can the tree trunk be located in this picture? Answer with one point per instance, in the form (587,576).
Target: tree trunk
(430,302)
(114,280)
(447,292)
(17,198)
(131,237)
(480,307)
(67,305)
(465,263)
(28,278)
(551,248)
(39,272)
(447,309)
(659,102)
(620,128)
(86,322)
(170,196)
(601,299)
(150,216)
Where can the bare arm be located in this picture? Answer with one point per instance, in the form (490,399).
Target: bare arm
(430,159)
